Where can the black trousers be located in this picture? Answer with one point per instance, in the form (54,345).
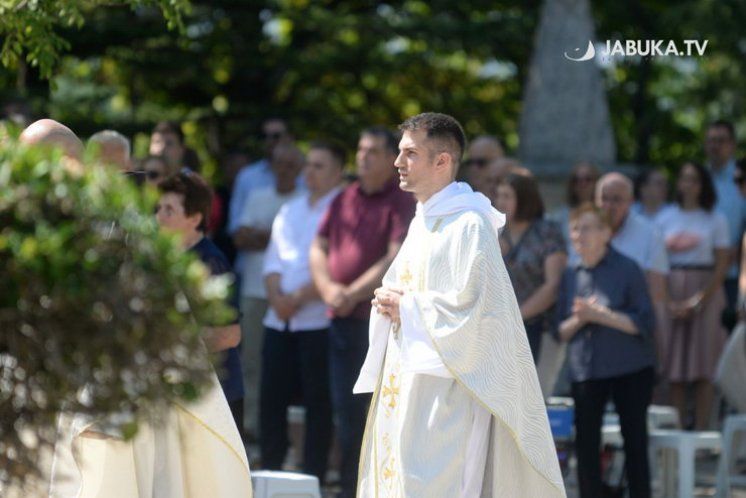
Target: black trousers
(290,359)
(348,345)
(236,407)
(730,313)
(631,395)
(534,331)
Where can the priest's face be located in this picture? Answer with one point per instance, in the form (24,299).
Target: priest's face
(422,170)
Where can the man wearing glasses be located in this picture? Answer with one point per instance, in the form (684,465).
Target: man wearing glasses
(257,174)
(480,156)
(720,147)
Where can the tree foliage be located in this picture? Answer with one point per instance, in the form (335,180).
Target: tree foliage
(333,67)
(29,28)
(99,311)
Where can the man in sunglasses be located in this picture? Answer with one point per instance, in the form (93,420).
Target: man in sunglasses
(481,154)
(257,174)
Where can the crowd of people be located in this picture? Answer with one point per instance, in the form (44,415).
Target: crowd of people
(641,285)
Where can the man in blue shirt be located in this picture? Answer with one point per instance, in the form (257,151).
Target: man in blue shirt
(184,208)
(720,148)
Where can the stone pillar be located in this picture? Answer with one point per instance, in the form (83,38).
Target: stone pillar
(565,115)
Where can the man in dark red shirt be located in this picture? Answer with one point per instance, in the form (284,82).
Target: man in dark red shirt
(357,240)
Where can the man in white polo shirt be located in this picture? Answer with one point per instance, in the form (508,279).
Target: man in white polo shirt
(634,236)
(296,323)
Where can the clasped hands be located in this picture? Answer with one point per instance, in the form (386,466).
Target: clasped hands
(339,298)
(285,305)
(587,310)
(684,308)
(386,302)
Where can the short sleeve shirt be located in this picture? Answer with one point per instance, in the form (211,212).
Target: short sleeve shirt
(359,228)
(709,227)
(640,240)
(231,379)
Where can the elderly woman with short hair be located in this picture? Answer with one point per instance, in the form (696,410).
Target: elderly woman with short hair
(605,313)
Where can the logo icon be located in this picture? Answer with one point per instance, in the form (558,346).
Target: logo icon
(590,53)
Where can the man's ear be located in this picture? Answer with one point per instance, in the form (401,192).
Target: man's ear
(195,220)
(443,161)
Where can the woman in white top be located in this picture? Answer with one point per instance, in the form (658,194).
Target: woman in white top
(697,241)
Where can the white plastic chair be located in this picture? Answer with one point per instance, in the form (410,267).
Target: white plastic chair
(734,426)
(273,484)
(685,444)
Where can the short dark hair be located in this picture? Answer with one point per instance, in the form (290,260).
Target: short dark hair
(529,205)
(390,139)
(442,128)
(336,150)
(642,179)
(172,127)
(195,191)
(707,194)
(728,125)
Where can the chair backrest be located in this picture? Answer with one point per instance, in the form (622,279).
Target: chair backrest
(274,484)
(731,370)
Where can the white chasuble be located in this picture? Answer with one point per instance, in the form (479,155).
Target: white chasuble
(193,451)
(456,411)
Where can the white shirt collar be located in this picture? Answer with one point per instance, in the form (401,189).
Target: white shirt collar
(325,200)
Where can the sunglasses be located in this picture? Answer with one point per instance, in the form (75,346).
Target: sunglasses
(272,136)
(583,179)
(478,162)
(153,175)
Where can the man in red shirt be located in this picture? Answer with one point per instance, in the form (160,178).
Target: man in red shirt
(357,240)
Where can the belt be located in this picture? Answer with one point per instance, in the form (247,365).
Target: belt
(693,267)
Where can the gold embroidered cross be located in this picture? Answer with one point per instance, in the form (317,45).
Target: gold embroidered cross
(406,277)
(392,391)
(388,470)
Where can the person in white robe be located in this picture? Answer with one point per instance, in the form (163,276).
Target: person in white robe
(456,410)
(191,450)
(187,450)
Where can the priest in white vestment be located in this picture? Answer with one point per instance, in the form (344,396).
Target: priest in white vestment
(193,450)
(457,411)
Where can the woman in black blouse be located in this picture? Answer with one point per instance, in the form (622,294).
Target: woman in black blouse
(534,252)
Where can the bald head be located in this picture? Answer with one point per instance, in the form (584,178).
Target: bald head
(485,147)
(112,148)
(53,134)
(614,194)
(616,181)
